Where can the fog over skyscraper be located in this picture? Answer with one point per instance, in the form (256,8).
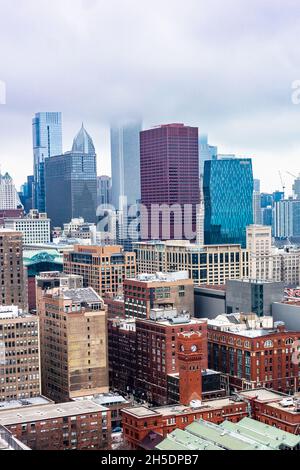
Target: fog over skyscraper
(125,162)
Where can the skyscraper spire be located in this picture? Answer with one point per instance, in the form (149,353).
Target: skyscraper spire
(83,143)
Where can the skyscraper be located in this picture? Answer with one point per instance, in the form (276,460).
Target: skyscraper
(71,182)
(228,196)
(125,162)
(170,178)
(47,142)
(13,284)
(103,190)
(286,218)
(9,197)
(206,152)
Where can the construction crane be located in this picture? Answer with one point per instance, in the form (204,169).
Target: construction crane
(282,183)
(291,174)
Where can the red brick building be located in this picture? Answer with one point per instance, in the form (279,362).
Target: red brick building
(122,354)
(115,306)
(254,357)
(157,354)
(68,426)
(138,422)
(275,409)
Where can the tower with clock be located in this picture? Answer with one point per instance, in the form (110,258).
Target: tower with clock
(189,360)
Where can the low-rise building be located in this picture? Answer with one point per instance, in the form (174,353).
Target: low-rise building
(35,227)
(254,352)
(66,426)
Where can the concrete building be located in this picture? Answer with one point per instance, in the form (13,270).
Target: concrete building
(80,425)
(161,290)
(206,265)
(254,296)
(210,301)
(12,273)
(9,442)
(266,262)
(254,352)
(104,268)
(9,197)
(19,355)
(35,227)
(73,343)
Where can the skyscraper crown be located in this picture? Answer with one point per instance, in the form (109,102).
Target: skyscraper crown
(83,143)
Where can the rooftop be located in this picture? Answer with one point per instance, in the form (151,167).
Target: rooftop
(11,312)
(85,295)
(28,402)
(45,412)
(202,435)
(162,277)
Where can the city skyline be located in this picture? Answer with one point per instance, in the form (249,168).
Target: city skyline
(245,106)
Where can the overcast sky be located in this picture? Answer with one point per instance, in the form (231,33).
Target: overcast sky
(226,66)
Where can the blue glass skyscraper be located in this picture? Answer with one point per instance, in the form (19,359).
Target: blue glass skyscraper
(47,142)
(228,197)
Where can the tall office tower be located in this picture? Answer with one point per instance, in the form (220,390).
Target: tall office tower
(286,218)
(125,163)
(257,210)
(259,245)
(47,142)
(206,152)
(267,216)
(103,190)
(19,355)
(228,197)
(277,196)
(71,182)
(170,182)
(256,184)
(26,194)
(13,283)
(9,197)
(74,347)
(296,188)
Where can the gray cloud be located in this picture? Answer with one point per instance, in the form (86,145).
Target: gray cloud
(226,66)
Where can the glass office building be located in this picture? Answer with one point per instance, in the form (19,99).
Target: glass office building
(228,195)
(71,183)
(47,142)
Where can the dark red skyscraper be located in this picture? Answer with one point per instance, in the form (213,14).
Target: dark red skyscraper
(169,177)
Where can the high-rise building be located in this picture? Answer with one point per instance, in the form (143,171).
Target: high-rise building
(13,279)
(286,218)
(26,194)
(9,197)
(206,265)
(103,190)
(206,152)
(47,142)
(228,196)
(257,210)
(73,343)
(35,227)
(125,163)
(296,188)
(170,182)
(256,185)
(19,354)
(71,182)
(102,267)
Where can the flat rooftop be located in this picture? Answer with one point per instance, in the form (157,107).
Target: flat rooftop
(15,404)
(172,410)
(45,412)
(82,295)
(262,394)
